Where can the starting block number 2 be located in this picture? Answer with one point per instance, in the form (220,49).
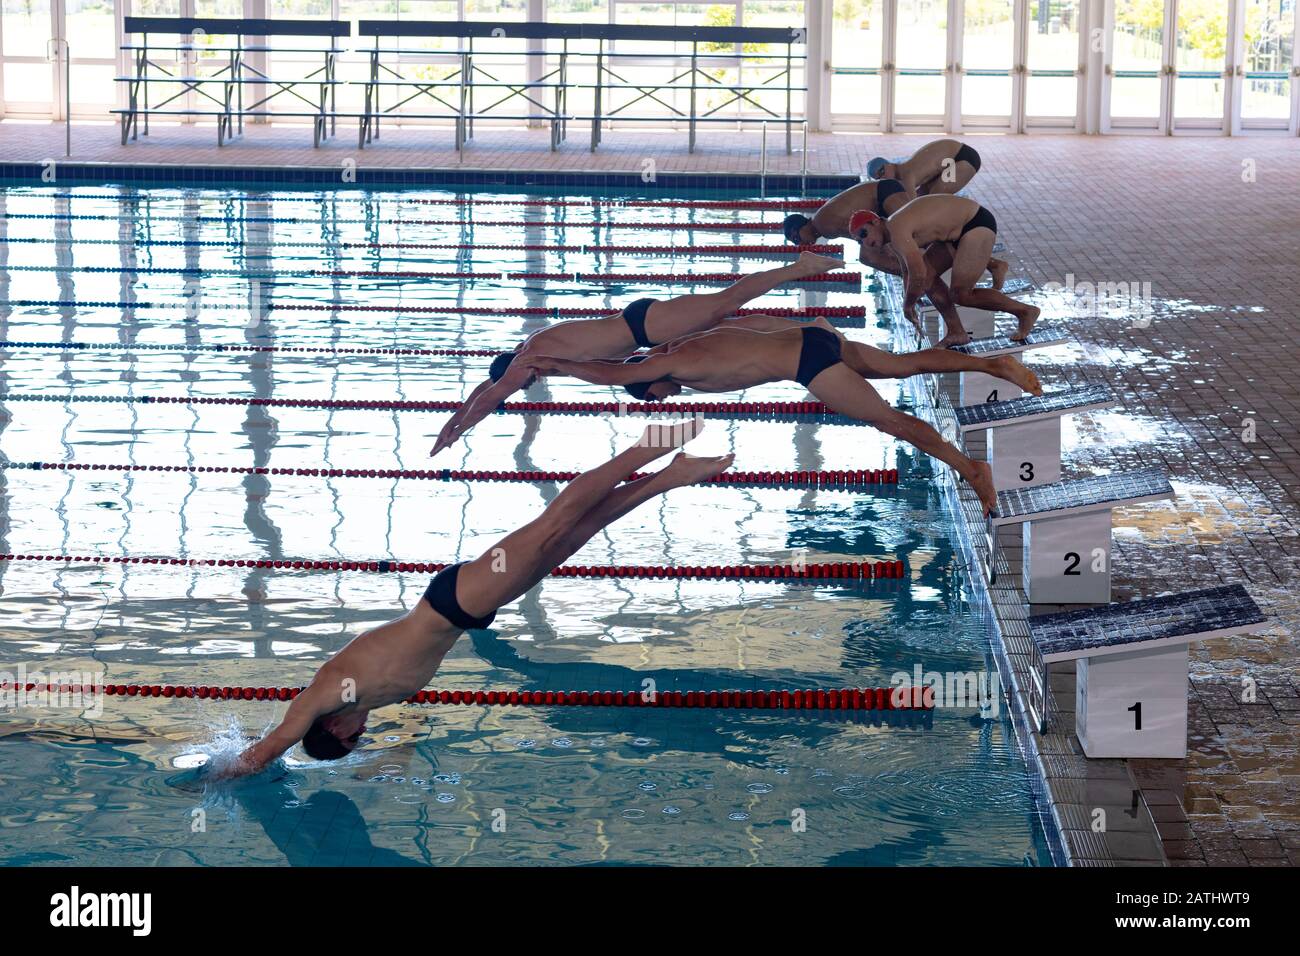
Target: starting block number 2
(1073,559)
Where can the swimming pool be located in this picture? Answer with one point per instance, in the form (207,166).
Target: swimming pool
(194,271)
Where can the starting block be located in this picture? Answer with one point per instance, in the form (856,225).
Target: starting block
(1024,434)
(1131,666)
(1005,345)
(978,388)
(1066,540)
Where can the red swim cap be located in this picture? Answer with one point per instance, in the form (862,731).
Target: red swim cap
(860,220)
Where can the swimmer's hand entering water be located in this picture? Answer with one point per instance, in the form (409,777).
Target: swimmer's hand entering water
(304,710)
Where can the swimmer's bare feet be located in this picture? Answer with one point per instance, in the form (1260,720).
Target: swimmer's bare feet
(958,336)
(998,270)
(1011,369)
(981,480)
(667,437)
(812,264)
(1027,319)
(687,469)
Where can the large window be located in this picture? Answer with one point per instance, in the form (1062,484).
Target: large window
(1171,66)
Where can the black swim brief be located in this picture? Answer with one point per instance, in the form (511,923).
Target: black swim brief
(634,315)
(967,155)
(820,350)
(982,218)
(884,189)
(441,595)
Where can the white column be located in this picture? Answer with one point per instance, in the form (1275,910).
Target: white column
(1019,64)
(1234,67)
(536,65)
(889,70)
(956,36)
(818,19)
(1101,59)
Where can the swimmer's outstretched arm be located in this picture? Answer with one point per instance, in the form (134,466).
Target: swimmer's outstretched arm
(306,707)
(605,373)
(914,270)
(480,404)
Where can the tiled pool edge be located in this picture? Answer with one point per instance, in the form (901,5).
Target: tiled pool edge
(1059,775)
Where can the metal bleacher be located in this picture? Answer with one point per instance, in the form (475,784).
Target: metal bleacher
(591,58)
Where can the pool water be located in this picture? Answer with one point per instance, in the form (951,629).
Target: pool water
(200,268)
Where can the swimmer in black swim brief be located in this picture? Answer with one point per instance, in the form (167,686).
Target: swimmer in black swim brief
(394,661)
(819,350)
(643,323)
(835,369)
(971,231)
(941,166)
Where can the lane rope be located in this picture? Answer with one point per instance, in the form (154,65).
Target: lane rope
(846,698)
(759,251)
(786,479)
(677,278)
(554,312)
(833,571)
(612,202)
(294,349)
(277,349)
(773,227)
(758,410)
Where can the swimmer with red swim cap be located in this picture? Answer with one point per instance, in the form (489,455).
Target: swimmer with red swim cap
(642,324)
(885,197)
(816,356)
(969,230)
(394,661)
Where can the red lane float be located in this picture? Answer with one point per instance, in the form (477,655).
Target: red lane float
(750,204)
(383,199)
(835,698)
(295,349)
(397,274)
(784,479)
(684,278)
(829,312)
(595,224)
(768,250)
(756,410)
(835,571)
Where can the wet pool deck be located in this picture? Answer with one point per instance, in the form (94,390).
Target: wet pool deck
(1213,224)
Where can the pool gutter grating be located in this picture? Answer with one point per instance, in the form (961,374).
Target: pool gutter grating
(1068,788)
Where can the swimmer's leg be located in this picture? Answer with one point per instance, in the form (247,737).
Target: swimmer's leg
(682,471)
(969,263)
(523,557)
(938,259)
(673,318)
(876,363)
(846,393)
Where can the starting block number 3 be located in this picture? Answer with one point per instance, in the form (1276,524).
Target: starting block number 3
(1025,454)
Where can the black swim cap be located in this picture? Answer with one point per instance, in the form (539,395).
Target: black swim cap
(320,744)
(638,390)
(500,364)
(793,223)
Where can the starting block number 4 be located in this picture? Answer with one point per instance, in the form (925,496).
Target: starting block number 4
(979,388)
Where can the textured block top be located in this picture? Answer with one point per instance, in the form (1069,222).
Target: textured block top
(1078,495)
(993,414)
(1116,628)
(1001,344)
